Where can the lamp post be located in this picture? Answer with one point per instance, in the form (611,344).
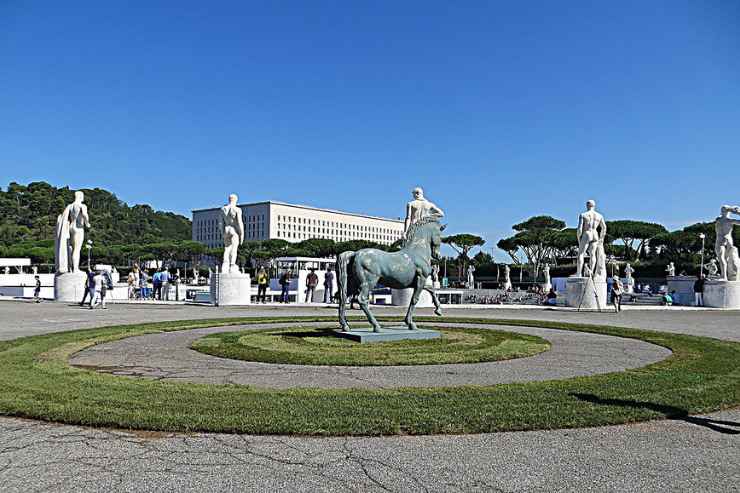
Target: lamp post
(701,266)
(88,245)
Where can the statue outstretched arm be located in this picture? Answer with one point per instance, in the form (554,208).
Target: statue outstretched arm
(579,229)
(408,217)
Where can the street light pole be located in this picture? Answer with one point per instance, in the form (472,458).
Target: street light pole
(701,266)
(89,253)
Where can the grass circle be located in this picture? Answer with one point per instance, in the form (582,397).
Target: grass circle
(702,375)
(319,346)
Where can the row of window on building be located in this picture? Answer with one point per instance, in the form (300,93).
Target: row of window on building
(301,228)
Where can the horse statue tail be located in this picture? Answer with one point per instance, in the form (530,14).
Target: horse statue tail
(343,260)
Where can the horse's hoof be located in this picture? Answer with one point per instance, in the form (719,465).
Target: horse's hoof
(438,313)
(376,329)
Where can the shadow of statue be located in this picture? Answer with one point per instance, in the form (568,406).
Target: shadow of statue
(670,412)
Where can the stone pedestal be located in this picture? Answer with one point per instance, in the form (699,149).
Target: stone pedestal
(231,289)
(684,288)
(546,287)
(69,287)
(402,297)
(387,334)
(586,293)
(722,294)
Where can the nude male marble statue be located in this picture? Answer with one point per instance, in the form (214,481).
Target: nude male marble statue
(70,235)
(419,208)
(233,232)
(724,246)
(591,233)
(670,270)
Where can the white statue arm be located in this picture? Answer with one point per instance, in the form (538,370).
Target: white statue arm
(408,217)
(579,229)
(602,236)
(435,210)
(240,228)
(85,217)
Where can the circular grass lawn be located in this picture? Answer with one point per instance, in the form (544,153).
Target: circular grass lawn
(702,375)
(319,346)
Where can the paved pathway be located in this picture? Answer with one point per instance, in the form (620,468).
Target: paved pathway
(682,455)
(168,357)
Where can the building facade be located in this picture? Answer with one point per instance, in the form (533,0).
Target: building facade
(294,223)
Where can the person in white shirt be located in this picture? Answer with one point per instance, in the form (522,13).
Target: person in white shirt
(98,297)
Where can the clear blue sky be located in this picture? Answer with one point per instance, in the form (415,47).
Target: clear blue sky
(500,110)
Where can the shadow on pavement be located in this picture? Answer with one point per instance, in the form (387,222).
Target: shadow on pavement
(670,412)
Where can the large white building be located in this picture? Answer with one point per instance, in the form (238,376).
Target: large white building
(294,223)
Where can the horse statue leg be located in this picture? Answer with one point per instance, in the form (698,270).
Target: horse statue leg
(343,260)
(418,289)
(437,304)
(364,300)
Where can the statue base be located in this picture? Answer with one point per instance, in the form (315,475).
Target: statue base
(585,293)
(722,294)
(231,289)
(684,288)
(402,297)
(387,334)
(546,287)
(69,287)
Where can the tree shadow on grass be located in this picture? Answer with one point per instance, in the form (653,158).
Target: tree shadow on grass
(670,412)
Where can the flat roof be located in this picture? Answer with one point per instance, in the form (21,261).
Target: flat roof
(307,207)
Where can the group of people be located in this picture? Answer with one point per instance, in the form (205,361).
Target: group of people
(97,284)
(312,282)
(138,284)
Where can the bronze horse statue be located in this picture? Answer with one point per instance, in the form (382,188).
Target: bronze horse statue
(359,272)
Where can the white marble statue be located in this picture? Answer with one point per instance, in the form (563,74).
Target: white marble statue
(628,271)
(70,235)
(471,277)
(419,208)
(7,270)
(507,278)
(591,233)
(724,246)
(670,270)
(233,232)
(546,273)
(586,271)
(712,268)
(436,284)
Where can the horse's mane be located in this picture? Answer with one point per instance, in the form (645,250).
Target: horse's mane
(414,227)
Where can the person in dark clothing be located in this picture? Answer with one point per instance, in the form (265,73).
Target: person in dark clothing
(89,286)
(699,291)
(284,284)
(328,286)
(37,291)
(312,280)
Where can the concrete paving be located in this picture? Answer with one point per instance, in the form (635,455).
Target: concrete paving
(693,454)
(168,357)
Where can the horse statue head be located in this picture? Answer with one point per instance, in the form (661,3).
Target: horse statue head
(426,232)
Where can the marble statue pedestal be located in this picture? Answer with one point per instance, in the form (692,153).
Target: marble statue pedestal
(586,293)
(402,297)
(231,289)
(69,287)
(722,294)
(546,286)
(387,334)
(684,288)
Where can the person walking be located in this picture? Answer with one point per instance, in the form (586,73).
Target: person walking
(164,285)
(157,284)
(97,291)
(89,286)
(37,290)
(131,281)
(262,281)
(328,286)
(312,280)
(142,284)
(284,285)
(617,291)
(699,291)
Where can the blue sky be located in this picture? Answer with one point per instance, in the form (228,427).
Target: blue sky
(500,111)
